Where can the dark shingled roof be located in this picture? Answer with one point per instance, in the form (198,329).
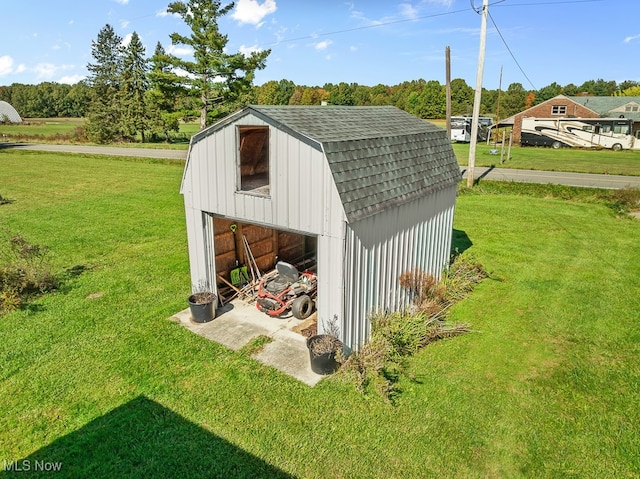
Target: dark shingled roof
(380,156)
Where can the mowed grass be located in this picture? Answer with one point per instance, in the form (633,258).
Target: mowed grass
(579,160)
(63,130)
(96,378)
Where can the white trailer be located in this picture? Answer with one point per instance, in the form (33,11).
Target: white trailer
(613,133)
(461,128)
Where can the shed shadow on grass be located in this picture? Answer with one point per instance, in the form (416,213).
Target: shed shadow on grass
(460,242)
(141,439)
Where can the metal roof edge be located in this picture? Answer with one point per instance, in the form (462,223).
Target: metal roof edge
(365,213)
(218,125)
(264,116)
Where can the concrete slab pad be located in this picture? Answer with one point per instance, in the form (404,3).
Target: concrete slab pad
(236,324)
(291,357)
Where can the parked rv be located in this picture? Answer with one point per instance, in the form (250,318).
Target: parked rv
(461,128)
(614,133)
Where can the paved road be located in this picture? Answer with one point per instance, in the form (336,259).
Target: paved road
(102,150)
(555,177)
(501,174)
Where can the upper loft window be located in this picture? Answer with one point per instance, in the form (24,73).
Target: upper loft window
(559,110)
(253,154)
(631,108)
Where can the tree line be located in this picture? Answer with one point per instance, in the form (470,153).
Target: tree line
(129,96)
(425,99)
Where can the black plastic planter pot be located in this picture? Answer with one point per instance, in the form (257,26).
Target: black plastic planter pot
(203,307)
(323,359)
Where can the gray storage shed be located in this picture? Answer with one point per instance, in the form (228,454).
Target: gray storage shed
(373,189)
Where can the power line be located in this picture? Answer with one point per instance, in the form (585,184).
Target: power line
(546,3)
(510,52)
(382,24)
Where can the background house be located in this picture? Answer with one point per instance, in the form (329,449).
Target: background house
(367,192)
(577,107)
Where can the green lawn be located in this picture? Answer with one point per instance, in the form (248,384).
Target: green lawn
(546,159)
(94,376)
(62,130)
(577,160)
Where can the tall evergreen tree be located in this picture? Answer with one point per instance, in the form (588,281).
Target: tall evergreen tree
(104,115)
(133,89)
(163,94)
(215,77)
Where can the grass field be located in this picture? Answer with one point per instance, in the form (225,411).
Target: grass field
(61,130)
(609,162)
(95,378)
(547,159)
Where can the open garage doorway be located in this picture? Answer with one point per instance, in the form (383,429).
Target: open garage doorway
(241,248)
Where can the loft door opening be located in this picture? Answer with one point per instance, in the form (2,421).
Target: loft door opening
(254,159)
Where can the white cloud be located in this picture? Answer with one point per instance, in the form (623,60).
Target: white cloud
(408,11)
(46,71)
(248,50)
(71,79)
(124,23)
(122,2)
(253,12)
(445,3)
(179,51)
(320,46)
(127,39)
(631,38)
(6,65)
(353,48)
(59,46)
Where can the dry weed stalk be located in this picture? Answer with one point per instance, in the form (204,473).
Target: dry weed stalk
(396,336)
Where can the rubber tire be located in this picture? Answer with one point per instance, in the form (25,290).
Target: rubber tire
(302,307)
(616,147)
(556,144)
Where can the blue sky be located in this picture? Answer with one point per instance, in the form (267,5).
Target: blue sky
(330,41)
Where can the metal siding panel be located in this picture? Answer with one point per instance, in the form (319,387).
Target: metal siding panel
(331,282)
(280,195)
(199,240)
(293,173)
(349,293)
(379,248)
(226,168)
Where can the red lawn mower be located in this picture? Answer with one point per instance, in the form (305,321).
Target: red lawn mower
(288,289)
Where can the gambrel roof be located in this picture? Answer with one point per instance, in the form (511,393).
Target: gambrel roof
(379,156)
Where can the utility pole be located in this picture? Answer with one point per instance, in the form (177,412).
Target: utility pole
(447,54)
(498,109)
(476,101)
